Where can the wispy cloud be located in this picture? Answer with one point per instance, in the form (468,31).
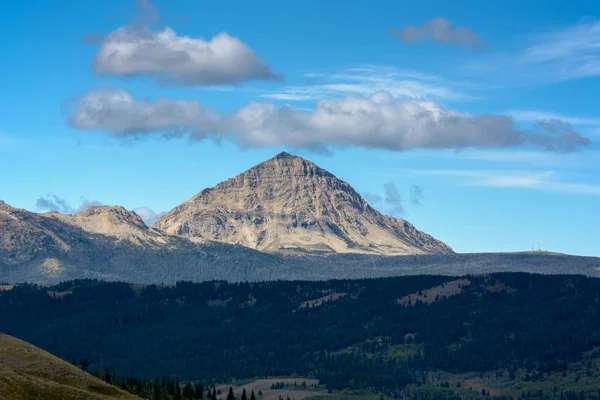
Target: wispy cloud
(392,200)
(536,180)
(369,79)
(416,195)
(536,115)
(51,202)
(571,52)
(372,198)
(553,56)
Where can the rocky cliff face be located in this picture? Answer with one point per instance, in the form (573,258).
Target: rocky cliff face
(109,243)
(114,221)
(289,204)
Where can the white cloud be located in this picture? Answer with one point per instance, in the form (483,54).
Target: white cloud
(148,215)
(118,112)
(379,121)
(441,31)
(138,50)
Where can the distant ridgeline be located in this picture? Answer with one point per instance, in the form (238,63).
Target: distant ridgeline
(504,333)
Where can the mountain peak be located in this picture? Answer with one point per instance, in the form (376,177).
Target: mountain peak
(284,154)
(114,221)
(117,211)
(4,206)
(289,204)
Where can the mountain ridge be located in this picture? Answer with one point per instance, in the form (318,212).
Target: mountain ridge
(45,249)
(111,243)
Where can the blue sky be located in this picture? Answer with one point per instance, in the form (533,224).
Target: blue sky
(490,108)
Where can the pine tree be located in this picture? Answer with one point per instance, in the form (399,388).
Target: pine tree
(106,376)
(188,391)
(244,397)
(177,391)
(199,392)
(230,395)
(252,395)
(156,392)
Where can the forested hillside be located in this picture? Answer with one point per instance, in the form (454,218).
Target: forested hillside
(380,334)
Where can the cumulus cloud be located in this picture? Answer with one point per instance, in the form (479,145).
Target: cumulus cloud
(379,121)
(393,201)
(148,215)
(442,32)
(138,50)
(118,112)
(51,202)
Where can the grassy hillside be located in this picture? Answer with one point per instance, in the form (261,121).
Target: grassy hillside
(27,372)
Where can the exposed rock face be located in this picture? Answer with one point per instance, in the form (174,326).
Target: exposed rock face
(289,204)
(48,237)
(114,221)
(21,229)
(111,243)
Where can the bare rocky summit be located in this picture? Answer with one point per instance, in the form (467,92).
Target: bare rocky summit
(114,221)
(289,204)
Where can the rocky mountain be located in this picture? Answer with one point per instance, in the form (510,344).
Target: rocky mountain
(111,243)
(284,205)
(114,221)
(21,229)
(289,204)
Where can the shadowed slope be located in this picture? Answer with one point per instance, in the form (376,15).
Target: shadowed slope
(27,372)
